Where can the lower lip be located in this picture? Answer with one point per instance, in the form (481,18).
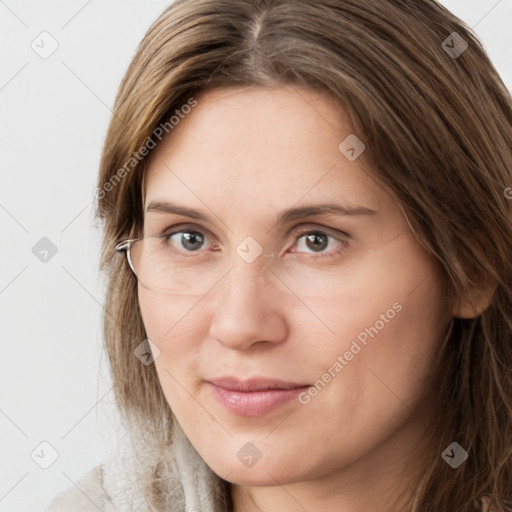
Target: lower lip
(254,403)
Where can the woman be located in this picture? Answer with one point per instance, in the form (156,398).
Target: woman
(307,226)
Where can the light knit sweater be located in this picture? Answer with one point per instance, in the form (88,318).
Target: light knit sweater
(190,485)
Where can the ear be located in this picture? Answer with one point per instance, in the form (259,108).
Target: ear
(474,303)
(475,299)
(478,293)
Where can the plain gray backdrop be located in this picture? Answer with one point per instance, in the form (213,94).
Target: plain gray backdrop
(55,105)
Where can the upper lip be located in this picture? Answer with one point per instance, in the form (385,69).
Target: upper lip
(254,384)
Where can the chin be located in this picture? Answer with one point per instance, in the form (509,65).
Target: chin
(267,471)
(256,477)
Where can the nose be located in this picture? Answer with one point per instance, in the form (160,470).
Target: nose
(249,307)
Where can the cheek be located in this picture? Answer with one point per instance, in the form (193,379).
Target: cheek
(395,293)
(169,321)
(175,326)
(169,324)
(388,330)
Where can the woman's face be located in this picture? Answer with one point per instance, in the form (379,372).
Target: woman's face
(344,307)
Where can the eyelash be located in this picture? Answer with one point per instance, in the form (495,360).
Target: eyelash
(298,234)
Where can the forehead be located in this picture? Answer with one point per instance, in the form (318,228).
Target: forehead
(256,149)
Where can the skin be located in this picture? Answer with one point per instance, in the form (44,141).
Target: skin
(241,156)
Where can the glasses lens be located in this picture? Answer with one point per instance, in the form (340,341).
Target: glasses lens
(160,266)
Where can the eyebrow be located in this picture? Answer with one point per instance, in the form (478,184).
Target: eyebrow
(289,215)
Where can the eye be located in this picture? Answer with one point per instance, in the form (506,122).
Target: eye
(318,241)
(187,240)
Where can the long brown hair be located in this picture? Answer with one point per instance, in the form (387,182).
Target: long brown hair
(436,120)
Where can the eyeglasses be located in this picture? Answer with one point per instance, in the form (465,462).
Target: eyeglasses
(161,267)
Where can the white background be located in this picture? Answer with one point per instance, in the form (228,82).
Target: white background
(54,383)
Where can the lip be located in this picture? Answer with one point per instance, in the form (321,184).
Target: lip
(253,397)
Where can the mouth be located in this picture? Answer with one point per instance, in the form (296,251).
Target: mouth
(253,397)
